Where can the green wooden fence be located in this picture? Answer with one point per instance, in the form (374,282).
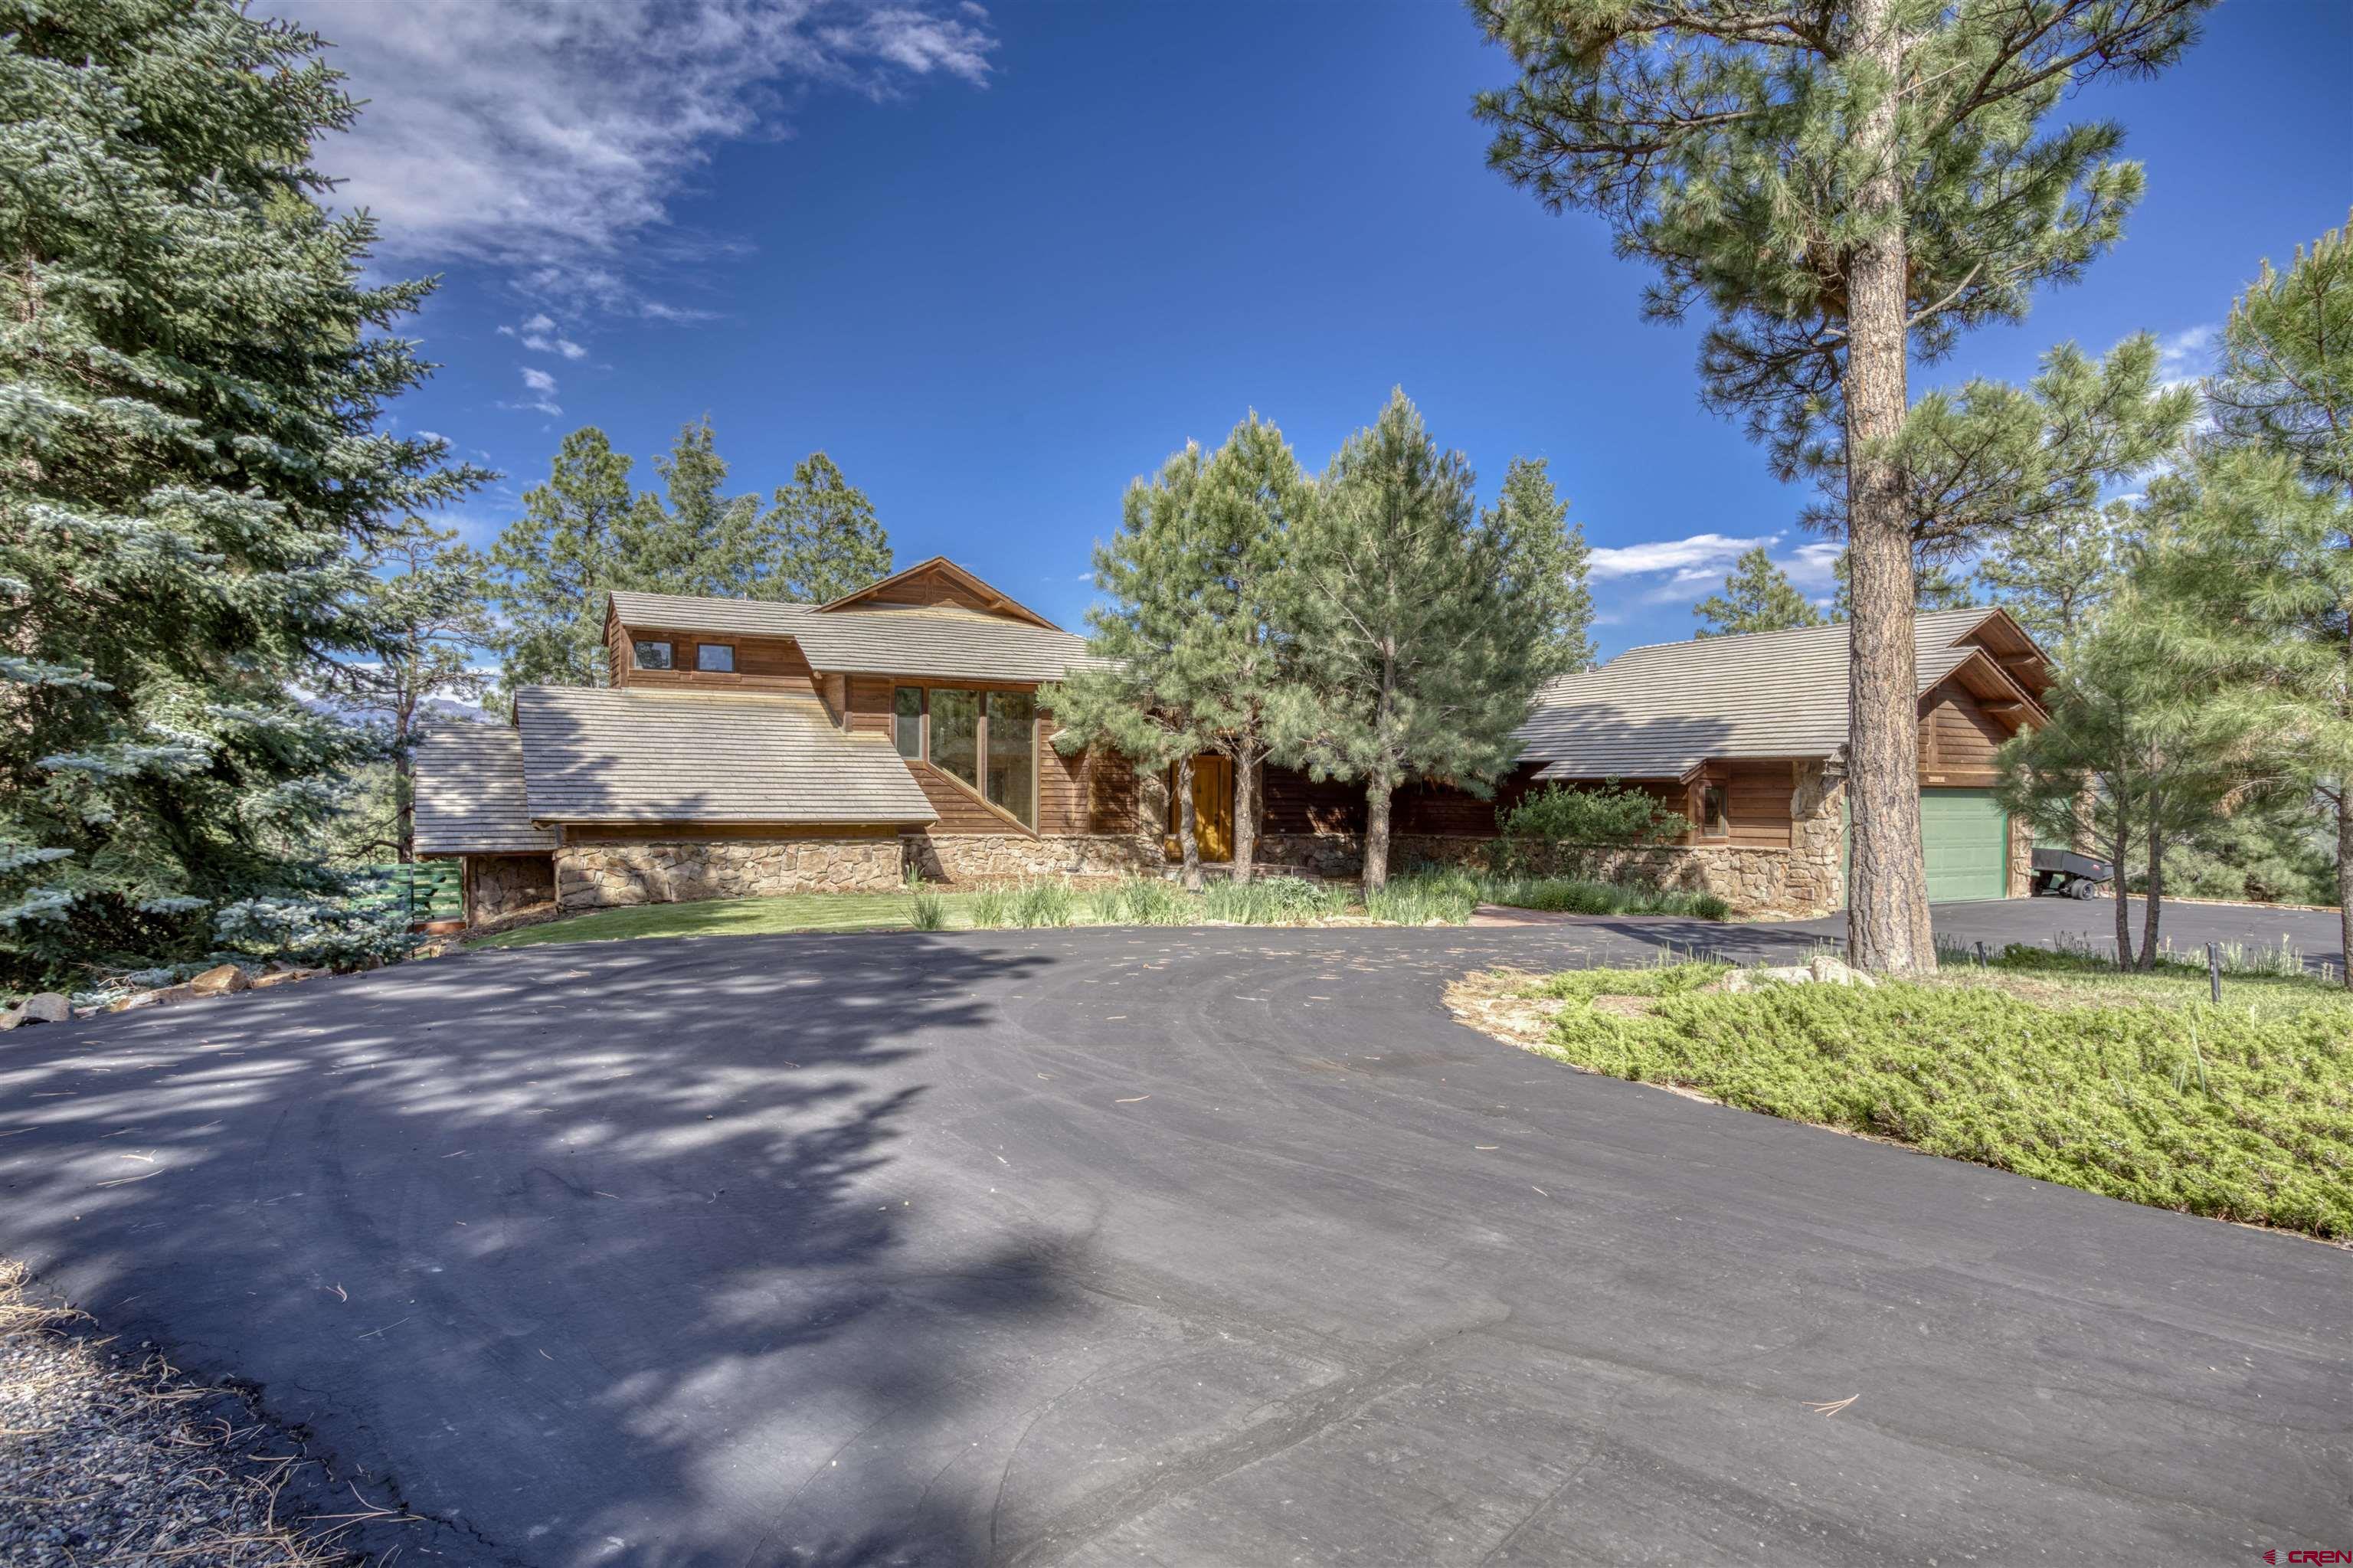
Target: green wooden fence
(428,889)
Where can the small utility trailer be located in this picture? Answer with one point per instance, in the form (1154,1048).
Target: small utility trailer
(2063,874)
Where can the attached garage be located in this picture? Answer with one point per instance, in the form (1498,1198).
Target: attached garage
(1966,836)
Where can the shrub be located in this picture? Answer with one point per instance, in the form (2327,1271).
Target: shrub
(1270,902)
(931,912)
(1562,827)
(2224,1111)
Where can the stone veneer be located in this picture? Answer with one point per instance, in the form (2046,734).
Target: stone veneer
(501,884)
(1800,882)
(599,875)
(958,858)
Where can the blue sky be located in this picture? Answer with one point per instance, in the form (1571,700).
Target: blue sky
(1000,261)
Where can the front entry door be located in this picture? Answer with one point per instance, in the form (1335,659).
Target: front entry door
(1213,808)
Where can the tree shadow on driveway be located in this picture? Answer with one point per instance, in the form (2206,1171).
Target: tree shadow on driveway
(540,1244)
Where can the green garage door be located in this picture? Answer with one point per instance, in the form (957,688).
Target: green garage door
(1966,835)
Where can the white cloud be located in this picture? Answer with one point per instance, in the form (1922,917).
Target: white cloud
(542,387)
(1814,565)
(551,138)
(2187,356)
(1708,554)
(539,333)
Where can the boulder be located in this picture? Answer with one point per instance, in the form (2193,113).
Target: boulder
(45,1007)
(219,980)
(1829,969)
(282,976)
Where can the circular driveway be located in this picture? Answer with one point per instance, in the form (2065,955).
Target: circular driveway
(1119,1246)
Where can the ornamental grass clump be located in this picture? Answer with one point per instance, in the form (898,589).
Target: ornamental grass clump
(1277,900)
(1143,900)
(2232,1111)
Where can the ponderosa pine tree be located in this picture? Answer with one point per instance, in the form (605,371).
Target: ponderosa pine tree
(1235,654)
(586,532)
(818,539)
(2054,574)
(431,600)
(573,543)
(1536,508)
(1847,187)
(195,373)
(1758,597)
(1138,696)
(2260,550)
(1424,627)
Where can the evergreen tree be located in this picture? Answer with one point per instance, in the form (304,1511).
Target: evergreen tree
(1848,188)
(819,537)
(1758,597)
(2054,574)
(194,372)
(1234,649)
(1425,628)
(2157,764)
(431,600)
(585,533)
(1934,586)
(556,561)
(2257,546)
(1137,696)
(1529,504)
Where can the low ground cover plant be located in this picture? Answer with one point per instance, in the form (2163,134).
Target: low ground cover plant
(2128,1085)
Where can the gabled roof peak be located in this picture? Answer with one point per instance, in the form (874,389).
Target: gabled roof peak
(995,598)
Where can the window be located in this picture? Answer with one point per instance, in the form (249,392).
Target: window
(1012,733)
(907,720)
(716,657)
(956,734)
(1714,821)
(652,655)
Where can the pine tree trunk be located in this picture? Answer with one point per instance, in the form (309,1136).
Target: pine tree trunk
(403,788)
(1887,901)
(2124,901)
(1186,839)
(1246,767)
(2344,881)
(2154,897)
(1376,836)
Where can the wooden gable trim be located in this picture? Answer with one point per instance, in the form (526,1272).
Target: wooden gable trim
(998,601)
(1997,690)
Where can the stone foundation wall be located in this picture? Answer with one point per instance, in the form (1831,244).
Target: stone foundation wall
(602,876)
(501,884)
(973,858)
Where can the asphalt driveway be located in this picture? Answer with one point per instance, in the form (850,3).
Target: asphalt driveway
(1113,1247)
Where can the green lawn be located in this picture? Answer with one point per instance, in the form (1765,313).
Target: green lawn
(2137,1087)
(733,917)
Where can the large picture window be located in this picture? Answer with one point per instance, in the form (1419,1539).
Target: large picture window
(907,720)
(956,734)
(1011,737)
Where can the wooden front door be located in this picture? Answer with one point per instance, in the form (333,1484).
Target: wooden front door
(1213,808)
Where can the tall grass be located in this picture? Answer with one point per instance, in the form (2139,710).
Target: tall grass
(1270,902)
(1451,893)
(931,912)
(1026,904)
(1142,901)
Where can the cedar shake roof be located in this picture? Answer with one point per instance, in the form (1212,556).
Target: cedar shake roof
(591,755)
(469,794)
(1661,711)
(941,642)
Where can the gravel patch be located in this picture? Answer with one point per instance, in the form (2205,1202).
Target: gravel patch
(109,1454)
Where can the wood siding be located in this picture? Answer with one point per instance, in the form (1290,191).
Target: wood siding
(1094,792)
(931,586)
(1958,739)
(961,809)
(762,663)
(1756,795)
